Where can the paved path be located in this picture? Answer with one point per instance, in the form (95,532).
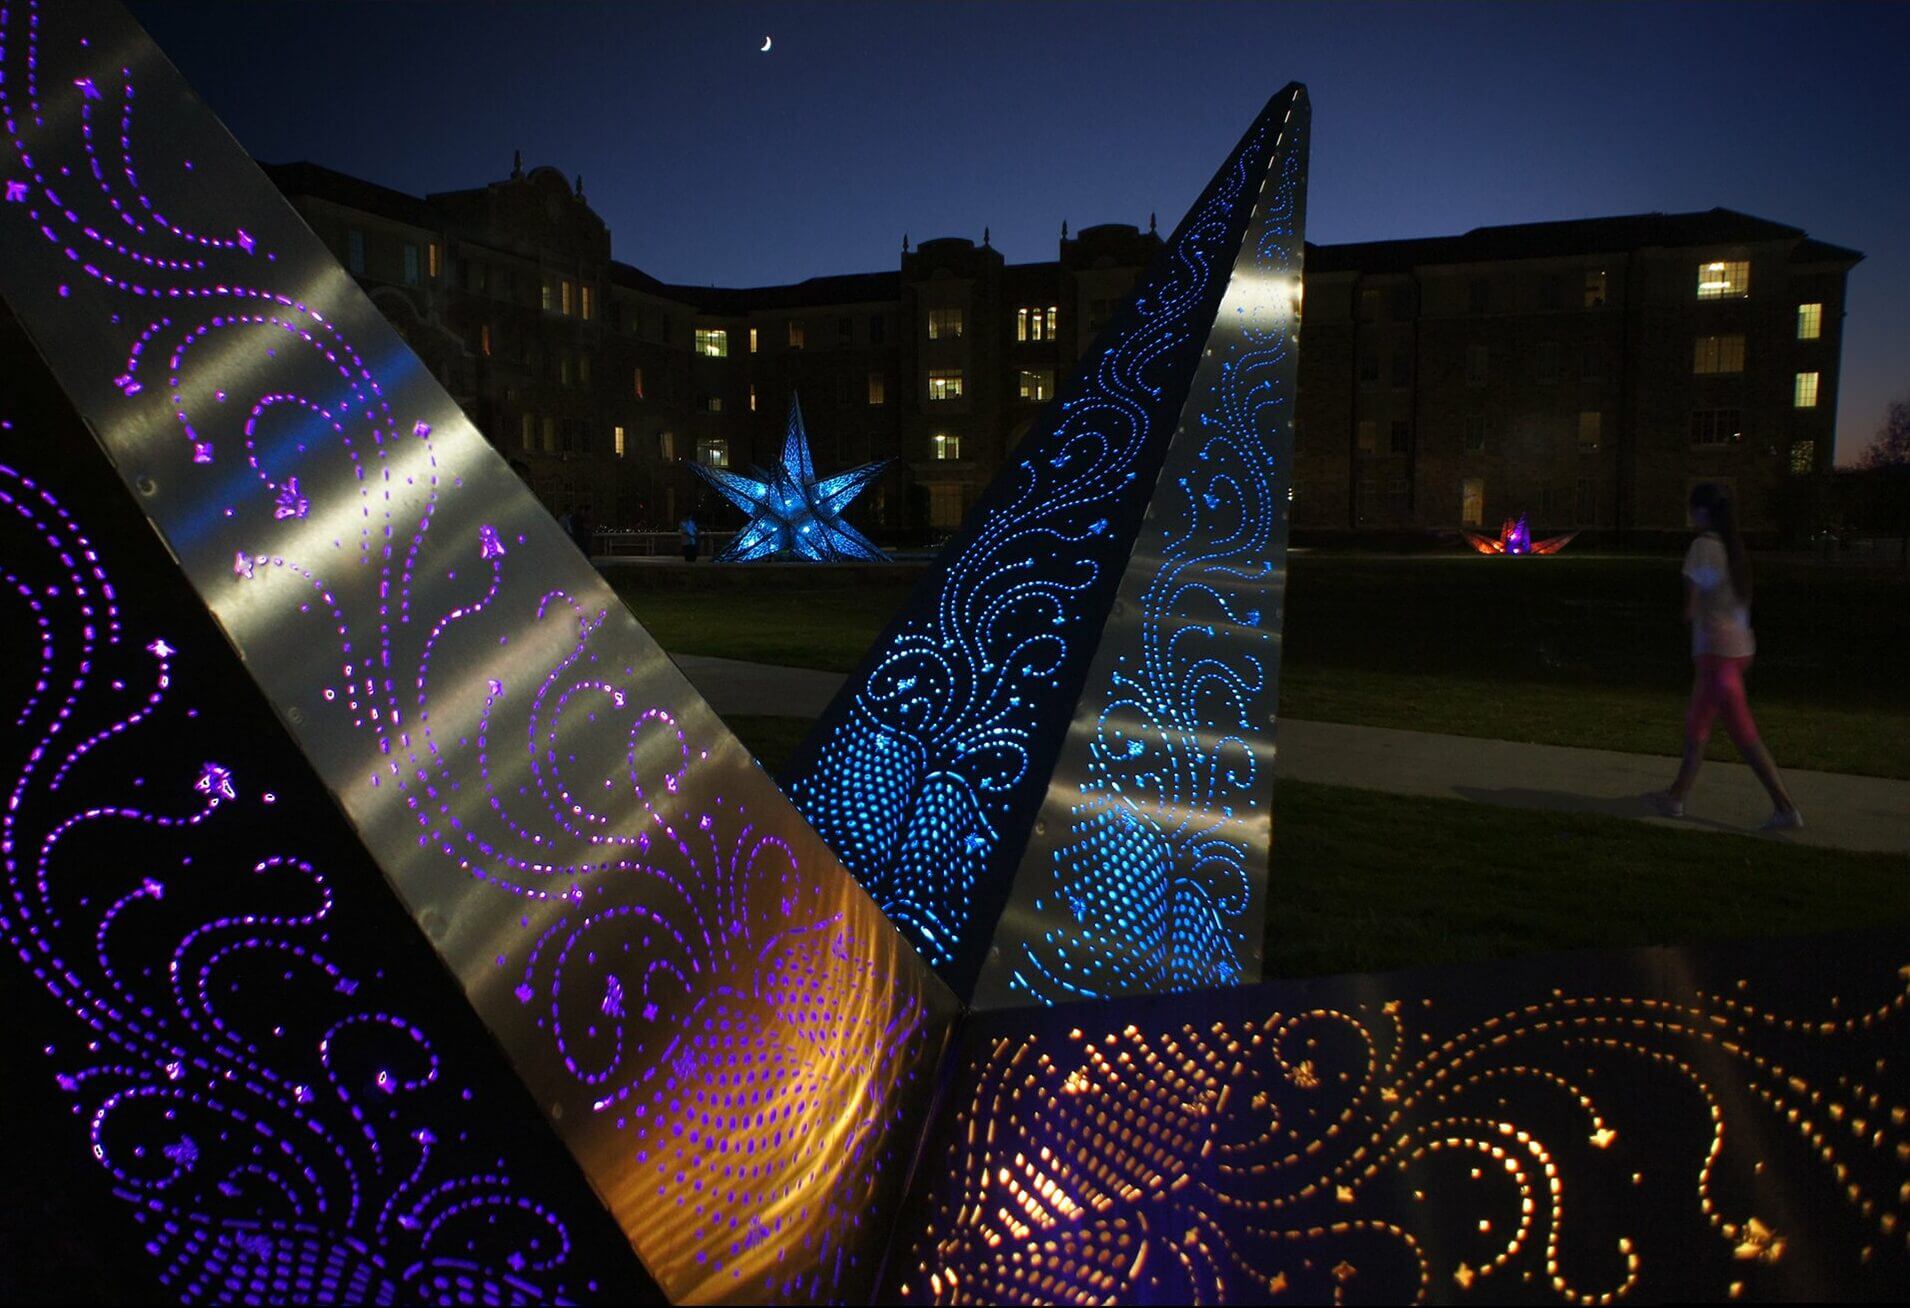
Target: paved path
(1842,812)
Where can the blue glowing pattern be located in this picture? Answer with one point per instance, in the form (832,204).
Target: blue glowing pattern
(792,515)
(926,773)
(1147,869)
(279,1129)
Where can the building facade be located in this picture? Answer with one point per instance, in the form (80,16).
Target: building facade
(1585,373)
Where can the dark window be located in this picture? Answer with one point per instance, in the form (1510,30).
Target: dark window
(847,328)
(1369,367)
(1479,295)
(1476,434)
(1545,361)
(1716,427)
(1475,365)
(1370,302)
(1591,363)
(1587,501)
(1402,368)
(1402,435)
(877,327)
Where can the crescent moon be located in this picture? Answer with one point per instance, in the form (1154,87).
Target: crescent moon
(766,44)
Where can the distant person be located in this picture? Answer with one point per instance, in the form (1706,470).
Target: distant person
(686,536)
(1717,573)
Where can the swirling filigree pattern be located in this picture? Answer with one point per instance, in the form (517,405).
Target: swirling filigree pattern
(277,1123)
(927,772)
(717,1021)
(1586,1145)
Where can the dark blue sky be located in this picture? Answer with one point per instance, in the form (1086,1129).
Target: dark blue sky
(715,163)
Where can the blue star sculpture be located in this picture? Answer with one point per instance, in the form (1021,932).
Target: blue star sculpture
(791,514)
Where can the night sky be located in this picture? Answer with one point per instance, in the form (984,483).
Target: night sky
(715,163)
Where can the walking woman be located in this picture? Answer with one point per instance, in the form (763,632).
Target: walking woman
(1717,575)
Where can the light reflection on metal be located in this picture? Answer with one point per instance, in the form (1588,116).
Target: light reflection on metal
(1515,538)
(1147,868)
(561,813)
(928,773)
(1661,1127)
(792,513)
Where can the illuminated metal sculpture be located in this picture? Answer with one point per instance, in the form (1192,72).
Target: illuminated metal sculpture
(710,1013)
(1515,538)
(1078,699)
(792,515)
(1655,1126)
(629,947)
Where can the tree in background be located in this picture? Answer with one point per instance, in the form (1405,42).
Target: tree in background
(1891,447)
(1886,463)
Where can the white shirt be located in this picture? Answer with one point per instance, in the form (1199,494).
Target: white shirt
(1720,622)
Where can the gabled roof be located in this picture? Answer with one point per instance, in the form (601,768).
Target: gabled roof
(1559,239)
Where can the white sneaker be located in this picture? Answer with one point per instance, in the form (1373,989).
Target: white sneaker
(1666,805)
(1783,821)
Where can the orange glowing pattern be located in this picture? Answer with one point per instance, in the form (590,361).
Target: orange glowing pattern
(1588,1148)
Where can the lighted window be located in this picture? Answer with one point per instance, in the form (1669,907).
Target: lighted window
(563,369)
(945,384)
(715,452)
(795,335)
(484,339)
(1368,436)
(945,445)
(434,259)
(713,404)
(752,397)
(944,324)
(590,308)
(547,294)
(712,343)
(1037,383)
(666,446)
(752,340)
(1035,324)
(1810,321)
(878,388)
(1715,354)
(616,440)
(1476,434)
(1716,427)
(583,370)
(1724,280)
(1595,284)
(528,439)
(570,297)
(411,265)
(1803,457)
(1804,395)
(636,382)
(1472,501)
(1591,425)
(1476,356)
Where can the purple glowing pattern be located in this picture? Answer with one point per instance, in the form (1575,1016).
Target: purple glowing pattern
(722,1026)
(256,1160)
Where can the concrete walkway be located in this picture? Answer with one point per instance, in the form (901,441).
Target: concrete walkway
(1841,812)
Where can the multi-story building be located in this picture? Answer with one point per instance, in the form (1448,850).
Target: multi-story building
(1583,372)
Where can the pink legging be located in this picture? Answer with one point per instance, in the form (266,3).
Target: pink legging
(1719,688)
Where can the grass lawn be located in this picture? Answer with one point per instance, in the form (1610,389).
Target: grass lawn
(1566,650)
(1487,882)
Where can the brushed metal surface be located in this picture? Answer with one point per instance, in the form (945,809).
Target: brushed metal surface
(719,1022)
(1147,865)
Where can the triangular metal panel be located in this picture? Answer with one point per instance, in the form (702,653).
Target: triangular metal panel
(929,770)
(715,1018)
